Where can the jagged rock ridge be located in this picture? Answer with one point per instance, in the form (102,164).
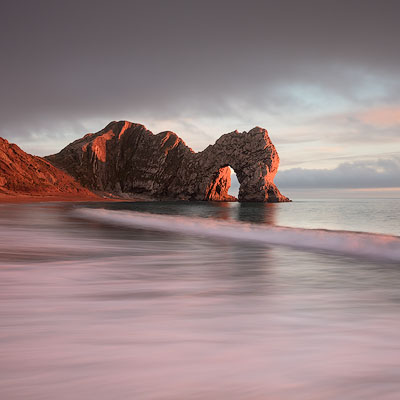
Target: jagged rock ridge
(24,174)
(127,158)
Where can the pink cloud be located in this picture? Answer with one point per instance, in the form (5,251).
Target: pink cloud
(381,117)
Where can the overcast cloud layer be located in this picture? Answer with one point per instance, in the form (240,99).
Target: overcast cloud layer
(360,174)
(322,76)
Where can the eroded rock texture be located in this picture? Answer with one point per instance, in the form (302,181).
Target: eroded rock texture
(22,173)
(127,158)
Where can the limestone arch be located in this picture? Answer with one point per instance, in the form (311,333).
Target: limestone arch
(254,159)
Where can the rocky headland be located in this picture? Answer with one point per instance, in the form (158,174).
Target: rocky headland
(127,159)
(23,176)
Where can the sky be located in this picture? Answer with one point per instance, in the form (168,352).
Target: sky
(323,77)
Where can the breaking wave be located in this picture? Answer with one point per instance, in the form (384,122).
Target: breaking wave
(369,245)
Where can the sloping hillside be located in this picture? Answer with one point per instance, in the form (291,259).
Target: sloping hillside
(22,174)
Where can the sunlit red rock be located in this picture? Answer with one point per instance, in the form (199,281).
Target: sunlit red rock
(24,174)
(126,158)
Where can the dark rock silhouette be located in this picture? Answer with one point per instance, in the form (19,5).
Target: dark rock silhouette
(127,158)
(24,174)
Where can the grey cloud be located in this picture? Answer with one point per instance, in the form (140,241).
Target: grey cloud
(359,174)
(73,61)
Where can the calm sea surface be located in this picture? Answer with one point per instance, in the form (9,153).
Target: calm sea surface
(200,300)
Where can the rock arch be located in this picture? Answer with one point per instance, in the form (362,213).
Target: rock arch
(254,159)
(127,158)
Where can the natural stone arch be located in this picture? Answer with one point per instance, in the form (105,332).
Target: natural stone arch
(254,159)
(127,158)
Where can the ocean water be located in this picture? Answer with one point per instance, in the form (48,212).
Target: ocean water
(169,300)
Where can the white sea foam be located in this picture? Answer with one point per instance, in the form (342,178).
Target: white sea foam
(371,245)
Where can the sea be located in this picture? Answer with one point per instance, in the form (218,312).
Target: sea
(201,300)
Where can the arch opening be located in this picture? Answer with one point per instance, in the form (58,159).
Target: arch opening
(220,185)
(233,190)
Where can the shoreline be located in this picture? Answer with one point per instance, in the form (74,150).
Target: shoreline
(26,199)
(21,198)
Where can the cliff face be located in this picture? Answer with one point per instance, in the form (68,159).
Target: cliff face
(21,173)
(127,158)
